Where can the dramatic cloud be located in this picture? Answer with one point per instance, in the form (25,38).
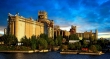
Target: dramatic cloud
(85,14)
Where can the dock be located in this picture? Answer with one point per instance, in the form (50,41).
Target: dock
(85,53)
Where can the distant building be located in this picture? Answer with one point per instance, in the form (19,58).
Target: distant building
(73,30)
(58,31)
(5,31)
(87,35)
(20,26)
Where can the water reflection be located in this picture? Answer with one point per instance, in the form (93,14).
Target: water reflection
(49,55)
(19,56)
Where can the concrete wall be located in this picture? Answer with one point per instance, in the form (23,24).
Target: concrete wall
(21,29)
(22,26)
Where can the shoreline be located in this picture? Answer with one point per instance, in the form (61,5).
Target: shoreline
(84,53)
(11,51)
(21,51)
(43,51)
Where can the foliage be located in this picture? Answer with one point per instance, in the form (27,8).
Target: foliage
(85,44)
(64,47)
(93,48)
(71,46)
(42,43)
(99,48)
(59,38)
(25,41)
(77,45)
(33,42)
(73,37)
(52,43)
(56,42)
(49,40)
(5,48)
(44,36)
(24,48)
(9,39)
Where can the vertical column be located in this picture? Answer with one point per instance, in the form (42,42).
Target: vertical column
(62,33)
(9,27)
(48,31)
(13,27)
(16,27)
(96,31)
(30,29)
(25,28)
(58,32)
(5,31)
(53,32)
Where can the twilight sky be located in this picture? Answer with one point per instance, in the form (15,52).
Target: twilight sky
(85,14)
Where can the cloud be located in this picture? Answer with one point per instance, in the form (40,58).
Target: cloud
(85,14)
(104,35)
(2,29)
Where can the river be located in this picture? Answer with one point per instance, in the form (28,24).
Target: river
(50,55)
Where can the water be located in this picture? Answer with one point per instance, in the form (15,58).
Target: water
(50,55)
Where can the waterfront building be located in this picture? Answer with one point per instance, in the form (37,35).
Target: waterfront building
(20,26)
(58,31)
(5,31)
(86,35)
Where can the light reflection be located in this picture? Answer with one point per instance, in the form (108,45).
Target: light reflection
(19,56)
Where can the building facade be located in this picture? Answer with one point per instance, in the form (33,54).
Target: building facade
(20,26)
(58,31)
(87,35)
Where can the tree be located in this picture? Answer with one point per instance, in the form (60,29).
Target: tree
(44,36)
(33,42)
(71,46)
(64,47)
(93,48)
(92,40)
(73,37)
(59,38)
(10,39)
(99,48)
(56,42)
(42,43)
(25,41)
(49,40)
(77,45)
(84,43)
(52,43)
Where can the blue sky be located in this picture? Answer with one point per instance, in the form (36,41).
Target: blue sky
(85,14)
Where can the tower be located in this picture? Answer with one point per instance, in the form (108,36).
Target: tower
(42,15)
(96,32)
(5,31)
(73,30)
(48,24)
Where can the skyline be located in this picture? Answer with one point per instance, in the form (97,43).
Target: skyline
(85,14)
